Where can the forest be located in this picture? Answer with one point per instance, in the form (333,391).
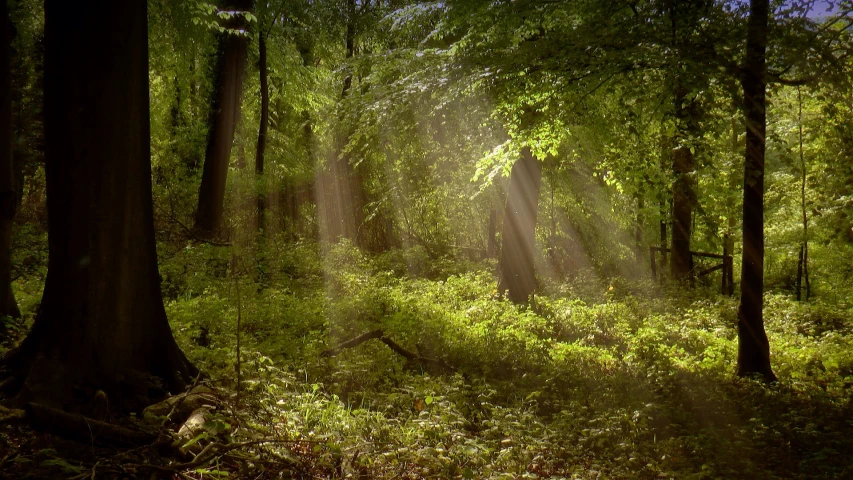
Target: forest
(411,239)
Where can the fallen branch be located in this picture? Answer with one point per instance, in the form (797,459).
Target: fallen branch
(380,334)
(353,342)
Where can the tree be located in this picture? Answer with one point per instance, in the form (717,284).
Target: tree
(753,346)
(519,229)
(340,184)
(8,196)
(803,262)
(102,324)
(224,115)
(264,121)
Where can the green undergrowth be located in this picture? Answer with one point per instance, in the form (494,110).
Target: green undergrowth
(617,381)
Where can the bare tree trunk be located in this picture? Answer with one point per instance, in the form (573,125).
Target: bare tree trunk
(262,127)
(224,114)
(753,346)
(517,275)
(8,194)
(102,325)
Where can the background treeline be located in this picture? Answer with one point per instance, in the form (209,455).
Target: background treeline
(395,124)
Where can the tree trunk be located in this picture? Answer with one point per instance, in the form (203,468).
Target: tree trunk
(517,273)
(729,237)
(102,325)
(803,268)
(493,228)
(638,227)
(224,114)
(683,196)
(8,195)
(262,127)
(663,236)
(342,186)
(753,346)
(665,159)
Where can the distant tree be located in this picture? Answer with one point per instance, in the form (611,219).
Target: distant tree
(101,324)
(517,274)
(340,184)
(753,346)
(224,115)
(8,196)
(263,125)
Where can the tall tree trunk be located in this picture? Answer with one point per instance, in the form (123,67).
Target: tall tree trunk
(753,346)
(638,227)
(262,127)
(224,114)
(729,237)
(665,159)
(102,325)
(683,196)
(803,266)
(517,275)
(493,229)
(8,195)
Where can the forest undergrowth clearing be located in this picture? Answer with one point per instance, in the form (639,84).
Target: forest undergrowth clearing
(599,380)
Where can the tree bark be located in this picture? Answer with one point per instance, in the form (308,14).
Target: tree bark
(224,114)
(263,125)
(102,325)
(8,194)
(753,346)
(517,275)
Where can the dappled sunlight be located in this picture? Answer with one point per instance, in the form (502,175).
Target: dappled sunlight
(412,240)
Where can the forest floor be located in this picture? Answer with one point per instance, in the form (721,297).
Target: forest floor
(602,378)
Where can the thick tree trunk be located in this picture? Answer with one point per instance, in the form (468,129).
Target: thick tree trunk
(683,196)
(517,275)
(224,115)
(262,127)
(102,325)
(753,346)
(8,195)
